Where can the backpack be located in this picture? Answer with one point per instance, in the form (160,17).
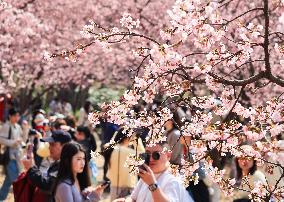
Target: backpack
(39,195)
(22,188)
(25,191)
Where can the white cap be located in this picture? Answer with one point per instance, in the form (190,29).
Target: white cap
(40,120)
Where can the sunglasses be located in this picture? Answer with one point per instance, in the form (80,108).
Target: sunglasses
(155,155)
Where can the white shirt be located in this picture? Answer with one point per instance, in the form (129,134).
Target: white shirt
(169,184)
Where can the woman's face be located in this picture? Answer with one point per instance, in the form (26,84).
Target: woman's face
(78,162)
(245,163)
(169,125)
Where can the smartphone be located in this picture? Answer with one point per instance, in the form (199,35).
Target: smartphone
(146,159)
(30,151)
(105,184)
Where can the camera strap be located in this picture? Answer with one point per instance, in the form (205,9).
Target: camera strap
(10,132)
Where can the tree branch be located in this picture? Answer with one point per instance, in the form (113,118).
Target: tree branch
(236,82)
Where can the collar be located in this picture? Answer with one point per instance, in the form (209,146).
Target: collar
(67,181)
(11,124)
(157,175)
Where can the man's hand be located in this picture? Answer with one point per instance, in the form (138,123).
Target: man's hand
(16,143)
(147,175)
(27,163)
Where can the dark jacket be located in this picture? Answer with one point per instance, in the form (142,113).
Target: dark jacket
(44,183)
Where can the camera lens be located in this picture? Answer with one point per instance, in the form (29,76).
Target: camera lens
(145,157)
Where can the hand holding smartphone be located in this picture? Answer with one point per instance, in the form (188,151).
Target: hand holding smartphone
(146,159)
(105,184)
(30,151)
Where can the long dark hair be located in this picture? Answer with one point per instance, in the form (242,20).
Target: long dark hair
(89,136)
(239,170)
(119,138)
(65,166)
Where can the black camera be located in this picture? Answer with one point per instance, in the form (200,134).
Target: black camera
(146,158)
(32,132)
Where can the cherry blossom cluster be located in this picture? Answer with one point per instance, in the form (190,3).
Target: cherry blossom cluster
(32,30)
(3,5)
(128,22)
(221,64)
(133,162)
(217,176)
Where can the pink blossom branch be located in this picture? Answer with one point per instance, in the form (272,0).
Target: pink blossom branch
(241,15)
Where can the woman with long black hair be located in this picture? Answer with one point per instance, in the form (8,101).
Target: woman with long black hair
(246,168)
(73,179)
(84,137)
(122,182)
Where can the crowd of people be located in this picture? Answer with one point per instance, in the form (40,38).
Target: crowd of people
(53,150)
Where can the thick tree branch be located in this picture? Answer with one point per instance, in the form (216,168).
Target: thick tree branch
(235,82)
(266,37)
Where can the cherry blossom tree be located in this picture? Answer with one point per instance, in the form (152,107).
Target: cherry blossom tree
(216,58)
(30,27)
(27,29)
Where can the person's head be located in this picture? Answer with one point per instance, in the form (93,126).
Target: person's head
(169,125)
(74,164)
(244,163)
(58,123)
(56,142)
(14,115)
(40,120)
(39,111)
(70,121)
(82,133)
(121,137)
(159,157)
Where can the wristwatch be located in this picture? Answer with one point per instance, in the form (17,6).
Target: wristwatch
(153,187)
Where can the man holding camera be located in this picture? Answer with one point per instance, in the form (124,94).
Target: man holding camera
(12,136)
(157,184)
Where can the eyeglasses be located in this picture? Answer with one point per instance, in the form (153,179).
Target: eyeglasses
(155,155)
